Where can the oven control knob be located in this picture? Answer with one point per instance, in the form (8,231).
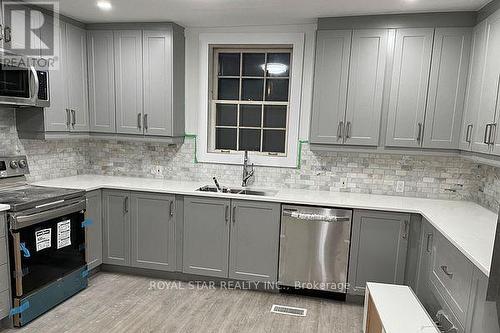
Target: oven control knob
(23,164)
(14,164)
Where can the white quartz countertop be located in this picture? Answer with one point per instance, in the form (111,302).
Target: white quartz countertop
(470,227)
(4,207)
(399,309)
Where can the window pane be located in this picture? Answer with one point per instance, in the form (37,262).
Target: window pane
(252,89)
(229,89)
(275,116)
(250,115)
(274,141)
(226,115)
(277,90)
(278,64)
(253,64)
(229,64)
(249,139)
(225,138)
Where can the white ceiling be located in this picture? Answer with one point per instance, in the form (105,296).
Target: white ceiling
(211,13)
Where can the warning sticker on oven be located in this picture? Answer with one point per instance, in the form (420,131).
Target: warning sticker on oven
(43,239)
(63,234)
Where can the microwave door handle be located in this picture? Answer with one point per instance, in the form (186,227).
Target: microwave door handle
(37,83)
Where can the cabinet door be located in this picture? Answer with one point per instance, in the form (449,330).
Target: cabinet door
(448,79)
(483,309)
(366,86)
(93,232)
(206,236)
(76,77)
(128,74)
(330,86)
(474,86)
(423,289)
(408,95)
(101,81)
(57,118)
(153,231)
(378,249)
(157,55)
(254,241)
(491,85)
(17,22)
(116,227)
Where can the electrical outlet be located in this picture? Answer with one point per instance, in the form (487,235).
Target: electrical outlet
(343,182)
(400,186)
(158,170)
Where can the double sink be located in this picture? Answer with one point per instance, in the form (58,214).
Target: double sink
(241,191)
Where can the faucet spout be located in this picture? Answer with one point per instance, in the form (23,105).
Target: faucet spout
(248,172)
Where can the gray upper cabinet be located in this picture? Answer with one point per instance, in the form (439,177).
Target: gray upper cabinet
(448,80)
(379,244)
(330,86)
(116,227)
(409,83)
(101,81)
(57,117)
(255,229)
(76,77)
(206,236)
(128,74)
(490,91)
(474,87)
(93,232)
(153,231)
(157,55)
(366,86)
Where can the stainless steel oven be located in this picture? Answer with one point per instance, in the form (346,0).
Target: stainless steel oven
(21,84)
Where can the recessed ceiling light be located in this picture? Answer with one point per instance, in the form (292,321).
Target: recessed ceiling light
(104,5)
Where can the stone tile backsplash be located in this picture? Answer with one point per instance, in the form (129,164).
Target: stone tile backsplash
(439,177)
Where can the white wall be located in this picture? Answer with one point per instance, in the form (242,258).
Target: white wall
(192,70)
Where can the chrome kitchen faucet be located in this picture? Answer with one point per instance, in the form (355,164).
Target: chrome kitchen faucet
(247,172)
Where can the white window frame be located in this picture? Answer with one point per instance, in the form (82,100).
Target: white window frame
(269,40)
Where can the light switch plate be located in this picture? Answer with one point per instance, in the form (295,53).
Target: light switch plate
(400,186)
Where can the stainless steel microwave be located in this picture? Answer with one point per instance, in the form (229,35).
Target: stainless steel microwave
(21,84)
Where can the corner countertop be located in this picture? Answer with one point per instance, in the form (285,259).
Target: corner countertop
(4,207)
(468,226)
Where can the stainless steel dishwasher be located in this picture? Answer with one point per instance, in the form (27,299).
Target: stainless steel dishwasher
(314,248)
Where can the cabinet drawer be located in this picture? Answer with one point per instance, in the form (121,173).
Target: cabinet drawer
(4,277)
(3,250)
(4,304)
(451,276)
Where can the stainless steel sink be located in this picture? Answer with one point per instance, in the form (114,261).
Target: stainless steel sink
(209,188)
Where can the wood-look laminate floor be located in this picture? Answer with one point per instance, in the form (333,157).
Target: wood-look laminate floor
(125,303)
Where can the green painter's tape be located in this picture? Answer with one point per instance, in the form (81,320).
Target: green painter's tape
(301,142)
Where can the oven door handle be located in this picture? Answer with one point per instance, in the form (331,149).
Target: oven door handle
(22,221)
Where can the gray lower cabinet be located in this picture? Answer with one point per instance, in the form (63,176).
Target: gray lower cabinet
(255,233)
(152,233)
(379,244)
(93,232)
(5,299)
(206,236)
(116,227)
(483,313)
(423,288)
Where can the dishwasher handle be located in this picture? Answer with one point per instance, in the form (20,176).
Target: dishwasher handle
(315,217)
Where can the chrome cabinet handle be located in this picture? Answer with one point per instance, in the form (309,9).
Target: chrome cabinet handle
(234,214)
(68,117)
(468,135)
(340,131)
(171,208)
(1,32)
(487,132)
(73,114)
(445,270)
(125,205)
(405,231)
(430,237)
(493,130)
(139,121)
(419,135)
(348,130)
(146,121)
(226,214)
